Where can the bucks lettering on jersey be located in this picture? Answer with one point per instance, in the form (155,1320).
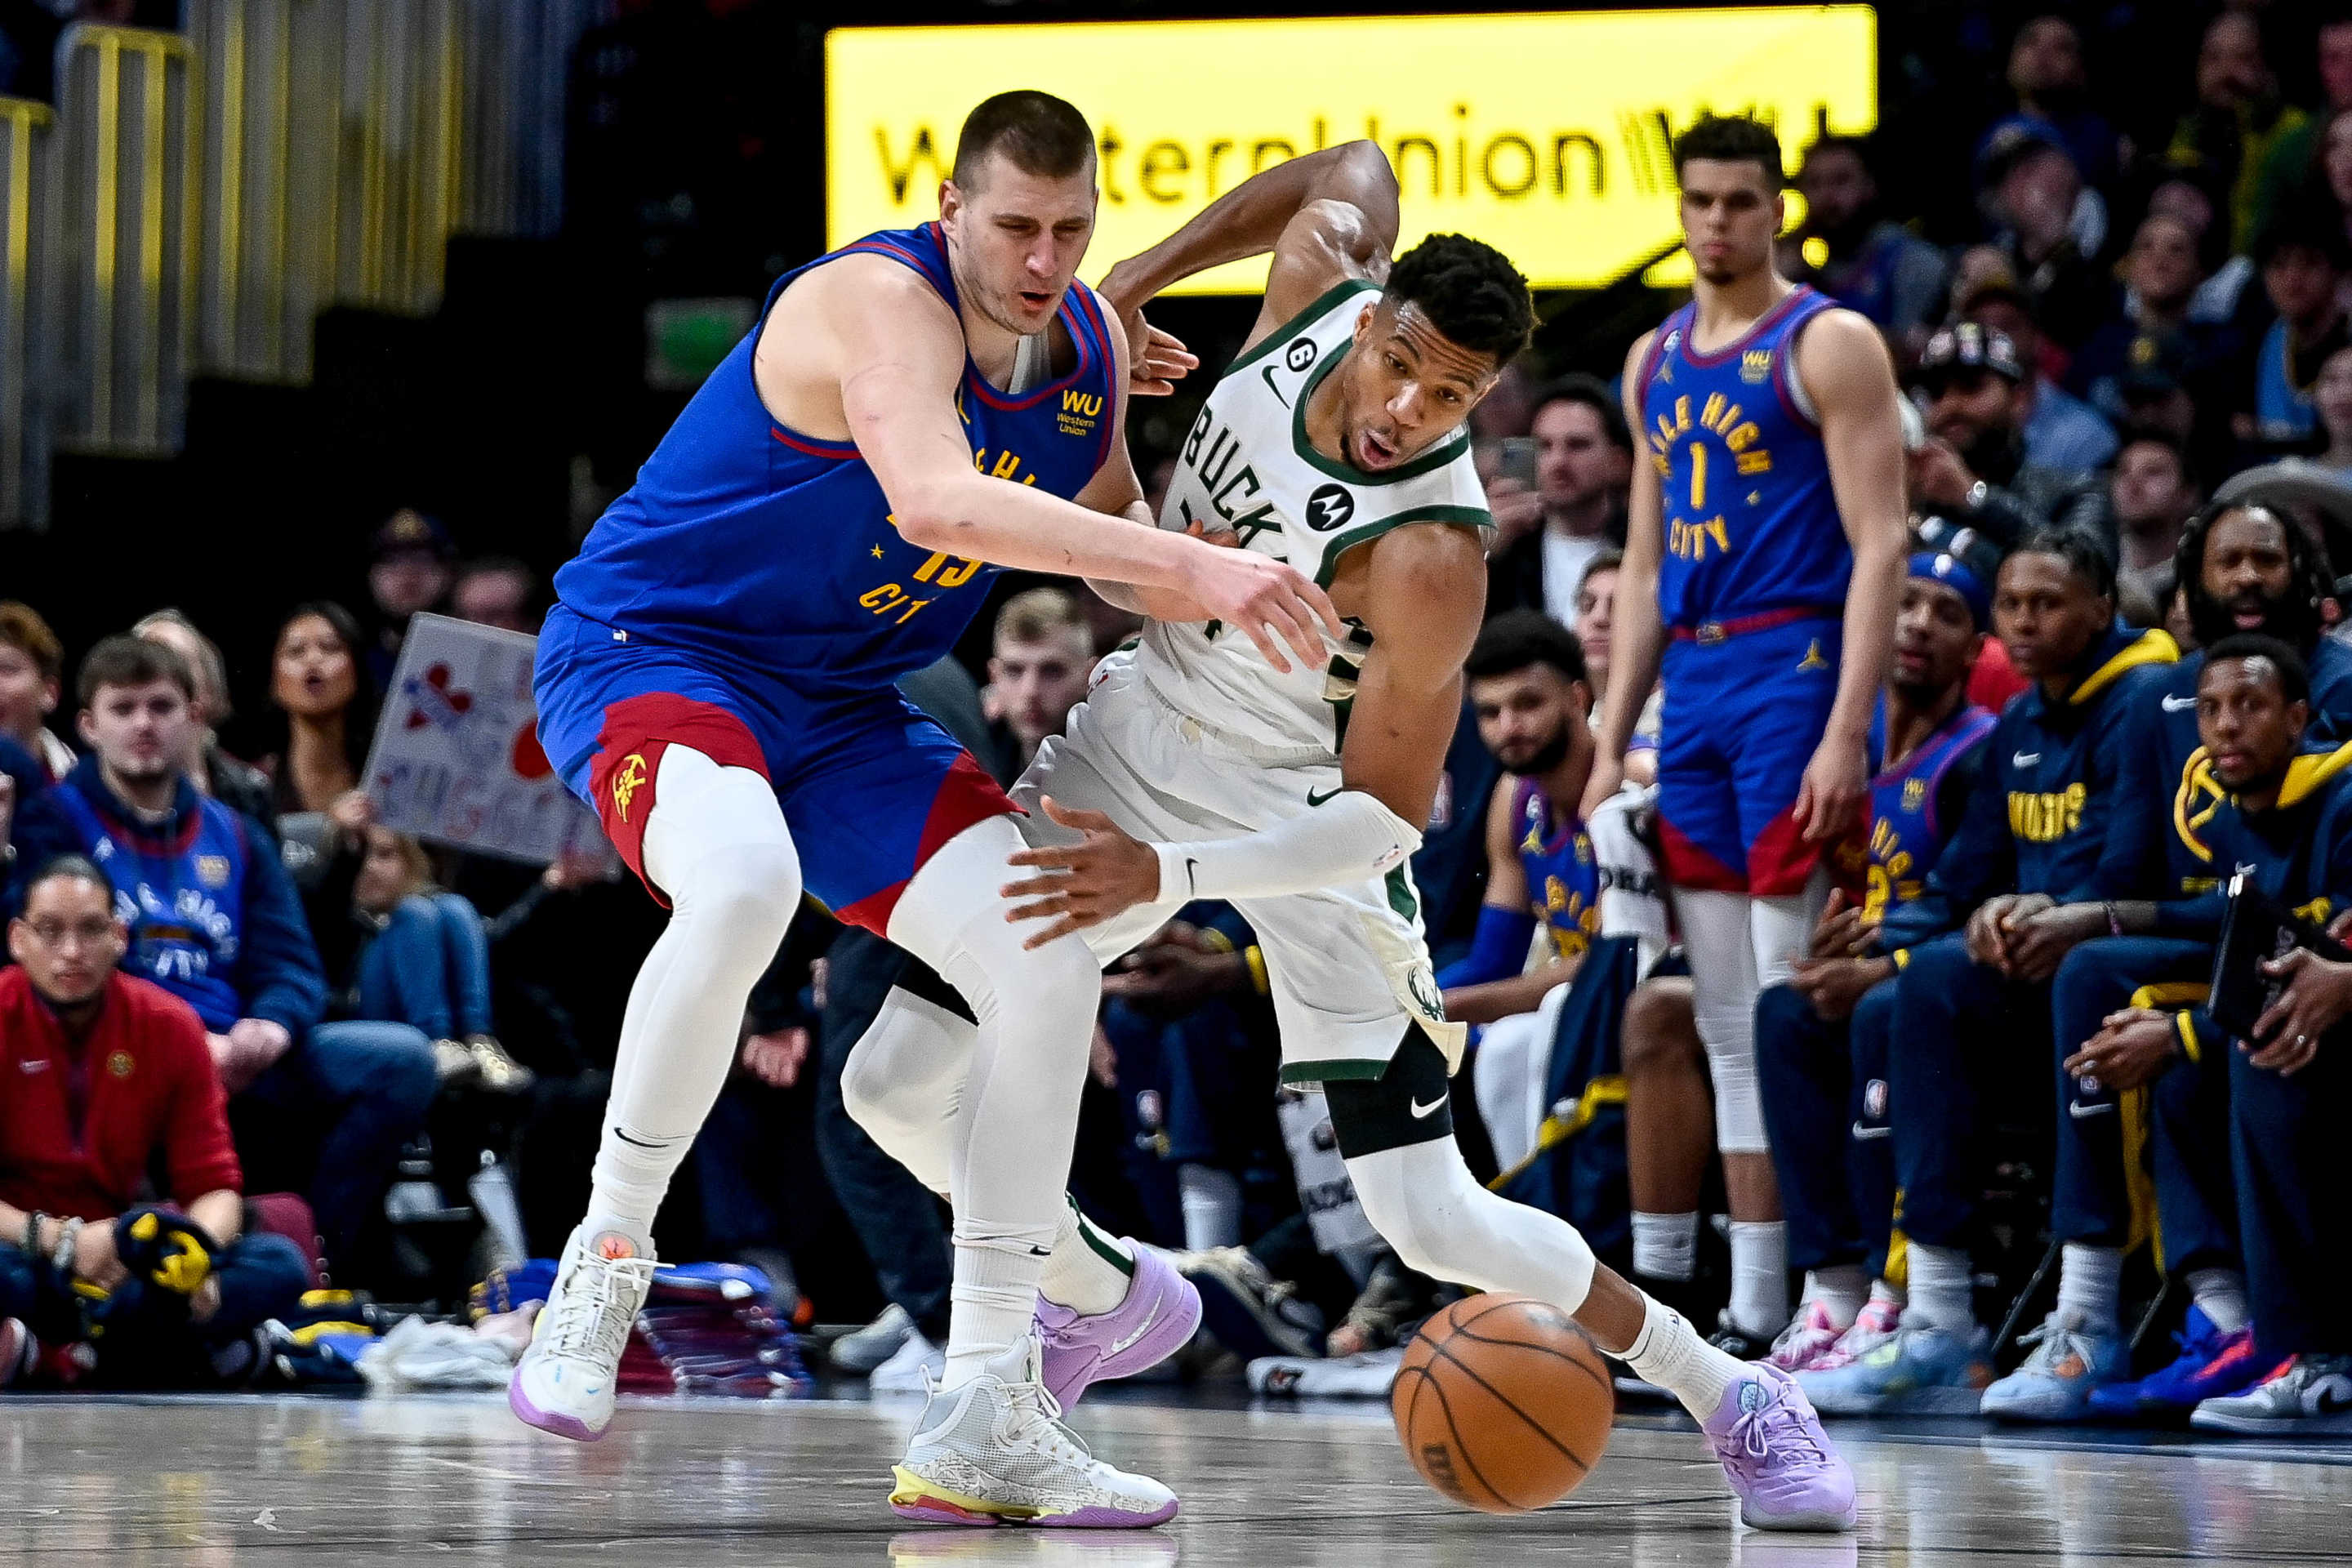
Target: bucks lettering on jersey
(1246,467)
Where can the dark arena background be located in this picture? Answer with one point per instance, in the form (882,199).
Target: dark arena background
(331,328)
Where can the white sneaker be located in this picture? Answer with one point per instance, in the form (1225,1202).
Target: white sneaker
(995,1451)
(564,1382)
(874,1343)
(912,1369)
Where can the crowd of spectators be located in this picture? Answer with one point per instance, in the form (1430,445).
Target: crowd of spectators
(2130,437)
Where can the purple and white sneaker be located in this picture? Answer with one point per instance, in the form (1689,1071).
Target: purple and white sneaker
(1777,1458)
(1157,1319)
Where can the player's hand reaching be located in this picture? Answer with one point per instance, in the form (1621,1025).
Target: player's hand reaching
(1157,360)
(1267,600)
(1104,874)
(1829,802)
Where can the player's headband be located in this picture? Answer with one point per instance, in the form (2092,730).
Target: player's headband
(1956,574)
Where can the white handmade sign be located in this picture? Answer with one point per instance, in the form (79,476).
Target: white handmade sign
(456,758)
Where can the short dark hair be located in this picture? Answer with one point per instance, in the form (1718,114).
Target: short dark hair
(2300,228)
(2294,674)
(126,660)
(1040,135)
(1593,392)
(72,865)
(2083,552)
(1732,139)
(1853,147)
(1609,559)
(1517,638)
(1470,292)
(2157,436)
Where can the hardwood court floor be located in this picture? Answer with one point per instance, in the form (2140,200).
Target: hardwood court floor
(212,1482)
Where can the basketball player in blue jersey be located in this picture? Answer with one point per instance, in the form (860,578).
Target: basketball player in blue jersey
(1762,565)
(1335,441)
(912,413)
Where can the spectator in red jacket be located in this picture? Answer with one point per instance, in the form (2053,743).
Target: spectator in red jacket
(109,1079)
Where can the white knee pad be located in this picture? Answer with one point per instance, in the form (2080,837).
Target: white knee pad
(1426,1206)
(902,1081)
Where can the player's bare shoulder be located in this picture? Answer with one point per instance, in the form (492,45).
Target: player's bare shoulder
(850,314)
(1843,363)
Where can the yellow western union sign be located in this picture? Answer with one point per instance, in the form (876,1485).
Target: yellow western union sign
(1544,135)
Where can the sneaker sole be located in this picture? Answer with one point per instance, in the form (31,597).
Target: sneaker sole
(2261,1426)
(1962,1400)
(928,1505)
(1822,1522)
(530,1415)
(1178,1304)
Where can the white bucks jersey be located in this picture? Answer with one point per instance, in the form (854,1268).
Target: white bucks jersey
(1246,467)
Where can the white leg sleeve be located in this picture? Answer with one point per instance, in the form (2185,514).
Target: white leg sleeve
(1017,1116)
(1425,1204)
(904,1080)
(1717,935)
(717,846)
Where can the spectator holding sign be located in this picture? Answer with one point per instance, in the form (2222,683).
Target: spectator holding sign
(213,919)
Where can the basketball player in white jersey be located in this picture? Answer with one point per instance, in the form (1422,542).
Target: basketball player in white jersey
(1336,442)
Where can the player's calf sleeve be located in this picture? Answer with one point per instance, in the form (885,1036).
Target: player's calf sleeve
(716,845)
(1425,1204)
(904,1080)
(1717,933)
(1017,1116)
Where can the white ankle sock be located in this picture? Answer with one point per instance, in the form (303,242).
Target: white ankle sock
(1212,1200)
(1942,1289)
(994,1298)
(1666,1245)
(1669,1353)
(1840,1288)
(2223,1293)
(1760,1277)
(1091,1268)
(2090,1284)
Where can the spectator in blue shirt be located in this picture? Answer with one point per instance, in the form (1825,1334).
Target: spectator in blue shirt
(2062,432)
(213,919)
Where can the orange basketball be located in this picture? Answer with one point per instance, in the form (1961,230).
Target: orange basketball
(1503,1403)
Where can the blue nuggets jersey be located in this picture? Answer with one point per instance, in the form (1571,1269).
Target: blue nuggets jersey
(1906,835)
(768,548)
(1751,525)
(174,894)
(1563,874)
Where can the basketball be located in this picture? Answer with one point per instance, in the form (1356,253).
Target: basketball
(1503,1403)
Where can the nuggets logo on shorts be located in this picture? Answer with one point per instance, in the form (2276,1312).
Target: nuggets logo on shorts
(627,782)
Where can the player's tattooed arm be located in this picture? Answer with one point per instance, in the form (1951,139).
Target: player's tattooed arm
(1639,638)
(1849,376)
(1326,217)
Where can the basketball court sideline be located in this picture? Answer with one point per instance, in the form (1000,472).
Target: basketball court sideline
(209,1482)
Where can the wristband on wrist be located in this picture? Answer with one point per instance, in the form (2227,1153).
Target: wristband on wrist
(32,1245)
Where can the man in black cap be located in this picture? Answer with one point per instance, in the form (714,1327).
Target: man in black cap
(2060,430)
(1972,467)
(409,569)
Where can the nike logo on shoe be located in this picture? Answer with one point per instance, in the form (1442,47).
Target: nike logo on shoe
(1419,1109)
(1142,1329)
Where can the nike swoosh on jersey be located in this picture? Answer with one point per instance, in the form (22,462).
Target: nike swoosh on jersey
(2026,759)
(1312,799)
(2079,1112)
(2178,704)
(1862,1131)
(1419,1109)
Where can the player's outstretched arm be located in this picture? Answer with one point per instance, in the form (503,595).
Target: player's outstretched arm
(898,355)
(1425,590)
(1328,216)
(1639,638)
(1851,378)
